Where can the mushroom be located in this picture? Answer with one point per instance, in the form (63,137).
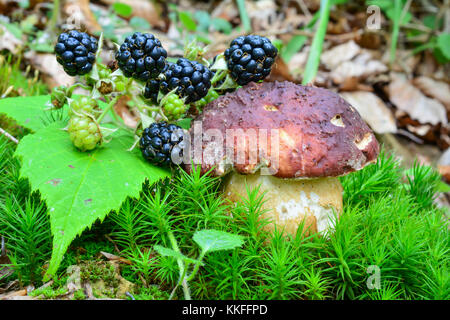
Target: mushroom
(292,140)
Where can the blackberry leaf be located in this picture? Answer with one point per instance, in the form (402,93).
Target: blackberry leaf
(81,187)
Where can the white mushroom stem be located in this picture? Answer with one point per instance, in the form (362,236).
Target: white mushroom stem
(290,202)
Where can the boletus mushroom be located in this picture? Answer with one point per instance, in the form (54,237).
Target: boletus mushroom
(292,140)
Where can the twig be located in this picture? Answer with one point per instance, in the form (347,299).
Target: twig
(10,137)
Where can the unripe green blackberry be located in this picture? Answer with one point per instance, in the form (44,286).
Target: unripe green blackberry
(212,95)
(83,105)
(173,106)
(84,132)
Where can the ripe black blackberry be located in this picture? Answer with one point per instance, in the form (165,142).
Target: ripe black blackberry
(75,51)
(151,90)
(250,58)
(141,56)
(162,144)
(191,78)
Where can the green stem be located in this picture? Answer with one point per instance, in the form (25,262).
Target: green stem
(244,16)
(186,290)
(55,16)
(107,109)
(197,267)
(395,30)
(312,65)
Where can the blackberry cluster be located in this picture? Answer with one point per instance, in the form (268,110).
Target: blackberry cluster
(191,78)
(75,51)
(141,56)
(250,58)
(161,142)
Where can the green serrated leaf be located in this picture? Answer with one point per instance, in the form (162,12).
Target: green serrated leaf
(32,112)
(215,240)
(81,187)
(28,112)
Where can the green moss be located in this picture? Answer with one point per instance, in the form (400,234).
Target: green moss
(79,295)
(49,292)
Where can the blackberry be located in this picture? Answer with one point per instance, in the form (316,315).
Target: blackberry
(84,106)
(75,51)
(191,78)
(84,132)
(151,90)
(250,58)
(173,106)
(141,56)
(162,144)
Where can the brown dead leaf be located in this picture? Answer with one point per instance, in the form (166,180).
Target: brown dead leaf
(361,67)
(438,90)
(373,110)
(124,112)
(339,54)
(8,41)
(148,10)
(226,10)
(11,295)
(113,257)
(280,71)
(51,71)
(79,11)
(408,98)
(445,172)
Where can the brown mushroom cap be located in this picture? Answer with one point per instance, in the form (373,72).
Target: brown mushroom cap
(320,134)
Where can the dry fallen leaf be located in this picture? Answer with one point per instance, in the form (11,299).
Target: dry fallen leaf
(408,98)
(438,90)
(148,10)
(373,110)
(8,41)
(113,257)
(445,172)
(339,54)
(51,71)
(79,11)
(362,66)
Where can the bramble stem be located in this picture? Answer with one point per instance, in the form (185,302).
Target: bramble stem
(108,108)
